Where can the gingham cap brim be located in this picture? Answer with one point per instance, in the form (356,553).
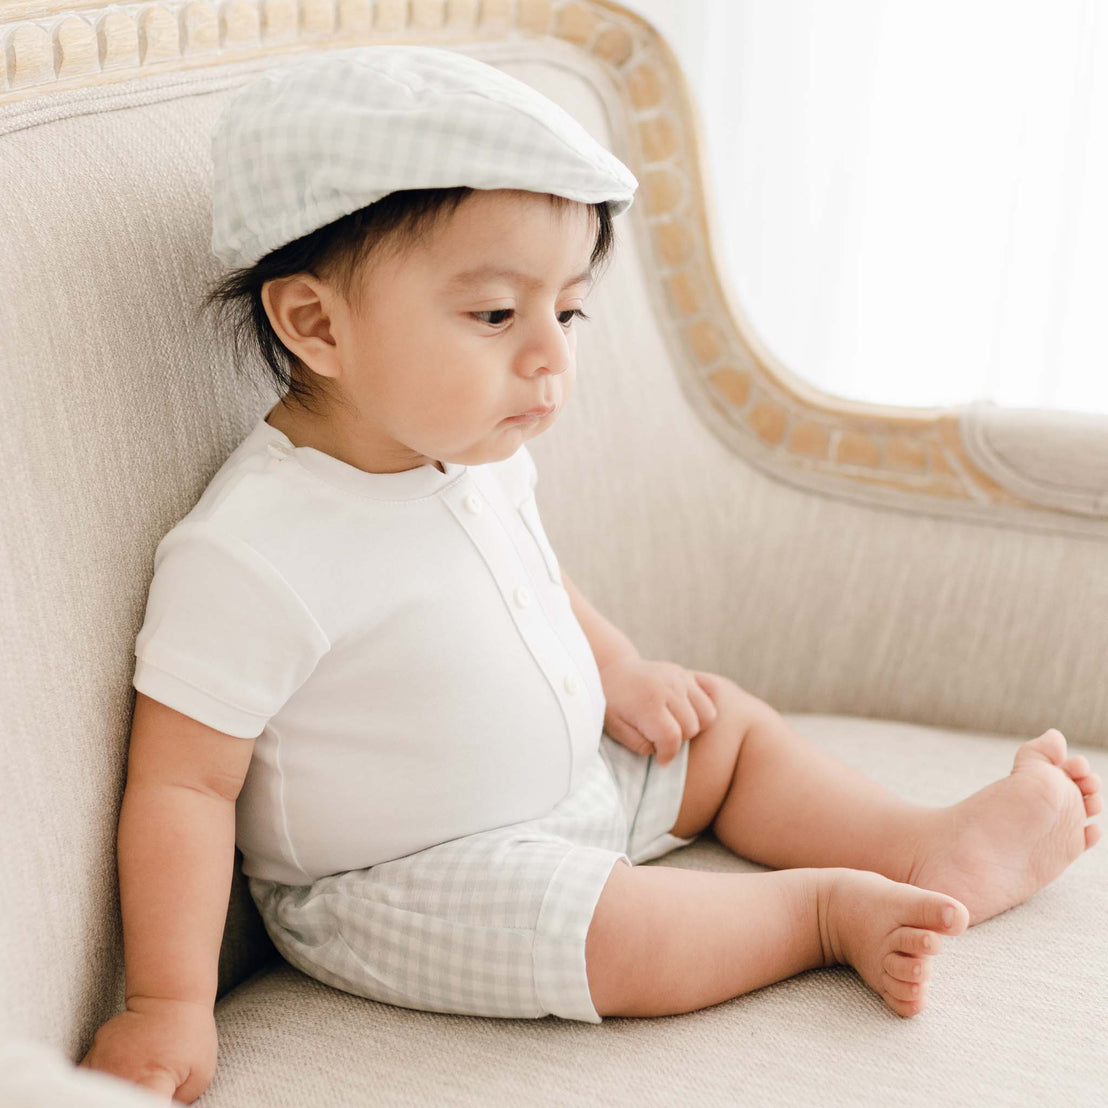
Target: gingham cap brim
(303,144)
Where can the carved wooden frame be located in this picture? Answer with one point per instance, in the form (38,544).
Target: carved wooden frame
(914,458)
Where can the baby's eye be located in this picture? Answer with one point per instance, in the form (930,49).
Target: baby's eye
(493,311)
(504,312)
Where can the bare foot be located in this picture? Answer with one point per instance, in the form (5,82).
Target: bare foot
(997,847)
(887,931)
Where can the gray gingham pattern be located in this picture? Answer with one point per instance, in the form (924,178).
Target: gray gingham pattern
(303,144)
(491,924)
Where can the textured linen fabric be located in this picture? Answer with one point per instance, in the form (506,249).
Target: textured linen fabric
(492,924)
(306,143)
(400,645)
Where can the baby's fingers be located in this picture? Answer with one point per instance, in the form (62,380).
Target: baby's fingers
(160,1081)
(684,718)
(628,735)
(668,745)
(703,703)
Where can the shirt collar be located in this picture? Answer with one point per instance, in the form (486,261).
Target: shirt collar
(409,484)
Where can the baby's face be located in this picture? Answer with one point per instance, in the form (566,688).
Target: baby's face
(444,350)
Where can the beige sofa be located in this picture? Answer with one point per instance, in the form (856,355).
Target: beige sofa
(917,590)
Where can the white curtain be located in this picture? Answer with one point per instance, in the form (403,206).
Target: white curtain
(912,195)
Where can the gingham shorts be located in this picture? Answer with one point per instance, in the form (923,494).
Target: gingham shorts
(491,924)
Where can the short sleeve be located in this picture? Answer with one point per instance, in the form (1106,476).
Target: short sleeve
(226,640)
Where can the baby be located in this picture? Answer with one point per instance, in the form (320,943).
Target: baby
(362,662)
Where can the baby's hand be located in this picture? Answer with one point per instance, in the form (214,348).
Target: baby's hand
(653,707)
(165,1045)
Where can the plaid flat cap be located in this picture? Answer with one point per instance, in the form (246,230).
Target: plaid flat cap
(303,144)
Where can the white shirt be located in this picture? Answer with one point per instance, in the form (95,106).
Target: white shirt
(399,644)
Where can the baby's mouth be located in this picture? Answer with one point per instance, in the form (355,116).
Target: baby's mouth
(534,414)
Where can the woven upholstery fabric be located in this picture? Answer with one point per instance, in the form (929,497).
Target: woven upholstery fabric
(1015,1013)
(122,404)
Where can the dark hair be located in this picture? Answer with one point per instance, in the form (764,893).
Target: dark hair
(337,253)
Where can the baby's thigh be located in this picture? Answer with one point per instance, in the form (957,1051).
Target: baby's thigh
(714,753)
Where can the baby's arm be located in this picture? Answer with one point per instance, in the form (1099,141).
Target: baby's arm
(175,852)
(608,642)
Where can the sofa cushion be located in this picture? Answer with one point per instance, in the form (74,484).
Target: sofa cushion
(1015,1011)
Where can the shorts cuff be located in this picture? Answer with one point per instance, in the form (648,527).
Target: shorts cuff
(660,846)
(561,982)
(659,807)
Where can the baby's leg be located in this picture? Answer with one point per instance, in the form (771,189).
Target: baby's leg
(776,798)
(664,940)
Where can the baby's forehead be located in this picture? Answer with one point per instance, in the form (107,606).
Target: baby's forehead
(492,231)
(477,275)
(499,239)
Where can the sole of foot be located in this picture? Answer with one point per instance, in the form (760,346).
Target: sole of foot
(999,846)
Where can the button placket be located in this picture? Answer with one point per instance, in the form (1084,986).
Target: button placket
(529,513)
(479,516)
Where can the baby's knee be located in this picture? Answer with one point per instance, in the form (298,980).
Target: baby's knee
(734,701)
(641,949)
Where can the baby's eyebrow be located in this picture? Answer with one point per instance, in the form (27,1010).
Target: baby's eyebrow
(470,277)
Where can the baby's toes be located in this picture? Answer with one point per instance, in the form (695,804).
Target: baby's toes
(903,998)
(1089,784)
(904,968)
(1077,766)
(916,940)
(1050,744)
(902,989)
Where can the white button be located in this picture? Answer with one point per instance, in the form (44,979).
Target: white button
(523,597)
(571,683)
(473,503)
